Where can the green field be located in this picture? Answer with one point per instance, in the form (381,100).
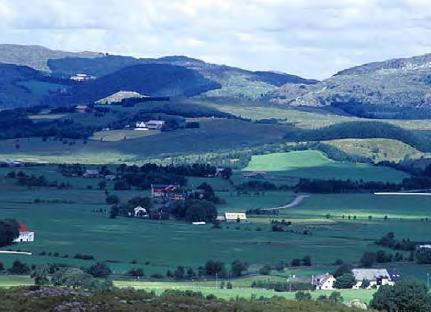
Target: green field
(238,291)
(315,165)
(15,280)
(69,223)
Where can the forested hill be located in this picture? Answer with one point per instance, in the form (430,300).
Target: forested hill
(421,140)
(148,79)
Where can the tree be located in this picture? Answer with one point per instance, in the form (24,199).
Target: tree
(138,273)
(265,270)
(71,277)
(423,256)
(200,210)
(8,231)
(335,297)
(215,267)
(302,296)
(112,200)
(99,270)
(19,268)
(345,281)
(238,267)
(114,211)
(179,273)
(40,275)
(343,269)
(102,185)
(368,259)
(365,283)
(406,295)
(306,261)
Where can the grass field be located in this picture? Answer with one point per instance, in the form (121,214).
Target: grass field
(15,280)
(315,165)
(239,291)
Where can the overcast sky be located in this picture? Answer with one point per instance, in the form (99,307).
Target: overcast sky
(312,38)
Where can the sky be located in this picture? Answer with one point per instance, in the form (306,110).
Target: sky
(310,38)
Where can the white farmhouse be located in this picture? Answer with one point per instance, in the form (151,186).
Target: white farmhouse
(140,125)
(323,281)
(25,234)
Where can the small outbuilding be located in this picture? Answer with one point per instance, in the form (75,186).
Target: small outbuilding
(239,217)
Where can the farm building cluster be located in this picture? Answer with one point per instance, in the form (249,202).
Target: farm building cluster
(364,279)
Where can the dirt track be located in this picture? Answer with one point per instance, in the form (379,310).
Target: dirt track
(295,202)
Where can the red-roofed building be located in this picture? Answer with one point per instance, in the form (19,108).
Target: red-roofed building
(25,234)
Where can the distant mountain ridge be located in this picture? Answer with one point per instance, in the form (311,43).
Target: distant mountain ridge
(35,56)
(397,88)
(234,82)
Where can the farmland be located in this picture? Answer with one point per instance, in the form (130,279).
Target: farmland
(315,165)
(70,222)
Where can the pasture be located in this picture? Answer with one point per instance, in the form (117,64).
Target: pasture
(315,165)
(75,221)
(238,291)
(214,135)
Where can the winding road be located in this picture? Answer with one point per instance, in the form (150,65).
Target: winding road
(295,202)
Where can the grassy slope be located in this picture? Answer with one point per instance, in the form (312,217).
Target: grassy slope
(300,118)
(214,135)
(315,165)
(378,149)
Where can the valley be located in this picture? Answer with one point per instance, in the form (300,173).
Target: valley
(172,172)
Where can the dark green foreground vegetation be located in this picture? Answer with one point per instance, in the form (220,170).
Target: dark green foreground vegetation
(58,299)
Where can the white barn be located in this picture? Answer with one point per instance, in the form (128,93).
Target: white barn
(25,234)
(240,217)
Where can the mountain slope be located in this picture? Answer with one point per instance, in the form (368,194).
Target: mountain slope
(234,81)
(24,86)
(35,56)
(148,79)
(398,88)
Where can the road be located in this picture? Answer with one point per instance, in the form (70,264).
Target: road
(295,202)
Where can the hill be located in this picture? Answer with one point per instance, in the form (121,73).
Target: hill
(35,56)
(234,81)
(24,86)
(398,88)
(149,79)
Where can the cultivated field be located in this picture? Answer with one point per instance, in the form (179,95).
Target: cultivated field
(315,165)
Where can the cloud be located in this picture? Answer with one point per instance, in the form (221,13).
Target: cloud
(306,37)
